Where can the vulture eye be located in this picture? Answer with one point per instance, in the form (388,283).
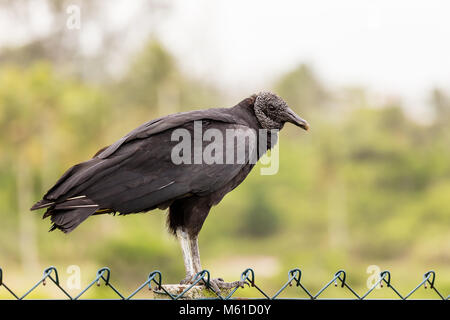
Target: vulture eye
(272,108)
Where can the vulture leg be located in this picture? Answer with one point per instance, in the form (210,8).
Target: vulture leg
(195,254)
(185,243)
(192,264)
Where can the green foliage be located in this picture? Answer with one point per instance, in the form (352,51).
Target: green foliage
(365,186)
(260,219)
(302,89)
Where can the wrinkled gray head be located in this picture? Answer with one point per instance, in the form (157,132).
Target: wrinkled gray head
(272,112)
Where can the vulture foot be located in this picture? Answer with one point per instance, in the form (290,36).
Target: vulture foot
(216,284)
(188,280)
(219,283)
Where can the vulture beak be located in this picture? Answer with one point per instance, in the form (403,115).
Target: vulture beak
(295,119)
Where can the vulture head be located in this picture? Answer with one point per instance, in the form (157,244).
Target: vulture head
(273,112)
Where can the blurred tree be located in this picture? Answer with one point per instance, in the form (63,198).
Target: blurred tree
(260,219)
(74,52)
(152,70)
(301,89)
(441,105)
(37,111)
(154,83)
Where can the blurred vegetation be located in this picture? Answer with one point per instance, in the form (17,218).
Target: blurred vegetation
(366,186)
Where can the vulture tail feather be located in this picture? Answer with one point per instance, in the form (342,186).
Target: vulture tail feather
(42,204)
(68,214)
(68,219)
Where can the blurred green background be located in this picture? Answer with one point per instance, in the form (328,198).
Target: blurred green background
(368,185)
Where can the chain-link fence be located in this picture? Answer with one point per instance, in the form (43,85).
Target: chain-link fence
(248,276)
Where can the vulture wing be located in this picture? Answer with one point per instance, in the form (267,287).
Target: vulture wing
(137,174)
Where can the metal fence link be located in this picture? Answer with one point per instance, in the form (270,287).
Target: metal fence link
(103,275)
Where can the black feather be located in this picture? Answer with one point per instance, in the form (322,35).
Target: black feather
(136,174)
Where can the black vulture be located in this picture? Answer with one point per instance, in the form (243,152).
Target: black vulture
(137,173)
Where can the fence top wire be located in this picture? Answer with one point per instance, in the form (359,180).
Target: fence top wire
(248,276)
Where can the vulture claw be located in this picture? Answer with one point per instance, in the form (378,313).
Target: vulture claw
(219,283)
(188,280)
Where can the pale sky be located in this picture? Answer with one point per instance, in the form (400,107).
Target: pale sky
(392,47)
